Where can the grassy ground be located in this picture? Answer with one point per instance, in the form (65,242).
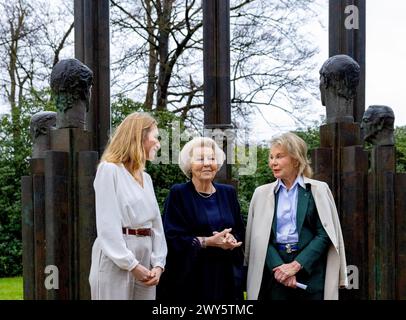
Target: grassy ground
(11,288)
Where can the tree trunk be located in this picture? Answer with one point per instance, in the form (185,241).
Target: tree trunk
(13,74)
(163,47)
(152,62)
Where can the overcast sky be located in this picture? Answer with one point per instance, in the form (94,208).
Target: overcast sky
(385,63)
(386,56)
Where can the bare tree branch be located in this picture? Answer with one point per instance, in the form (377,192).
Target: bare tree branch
(62,44)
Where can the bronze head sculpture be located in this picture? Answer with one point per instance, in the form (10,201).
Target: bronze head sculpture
(339,78)
(378,125)
(71,82)
(40,126)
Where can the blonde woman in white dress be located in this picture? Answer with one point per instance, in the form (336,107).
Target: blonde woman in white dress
(129,253)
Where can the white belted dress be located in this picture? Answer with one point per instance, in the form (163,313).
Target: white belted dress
(121,202)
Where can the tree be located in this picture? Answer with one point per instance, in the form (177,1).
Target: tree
(311,136)
(14,155)
(271,57)
(248,183)
(30,46)
(400,143)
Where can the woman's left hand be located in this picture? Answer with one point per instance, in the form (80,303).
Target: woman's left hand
(156,275)
(286,270)
(290,282)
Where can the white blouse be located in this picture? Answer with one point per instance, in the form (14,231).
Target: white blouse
(121,202)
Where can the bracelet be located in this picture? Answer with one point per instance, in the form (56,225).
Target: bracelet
(203,242)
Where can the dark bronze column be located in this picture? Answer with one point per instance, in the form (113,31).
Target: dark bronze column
(345,39)
(38,200)
(381,224)
(400,223)
(216,59)
(343,164)
(79,201)
(92,47)
(27,225)
(58,233)
(86,218)
(354,207)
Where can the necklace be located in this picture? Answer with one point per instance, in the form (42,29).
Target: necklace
(203,195)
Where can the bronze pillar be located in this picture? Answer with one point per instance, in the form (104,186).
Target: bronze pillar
(216,60)
(92,47)
(345,39)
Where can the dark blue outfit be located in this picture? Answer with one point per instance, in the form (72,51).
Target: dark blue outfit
(193,273)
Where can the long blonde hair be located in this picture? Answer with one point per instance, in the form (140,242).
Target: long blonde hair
(297,149)
(126,144)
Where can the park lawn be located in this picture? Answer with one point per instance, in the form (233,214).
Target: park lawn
(11,288)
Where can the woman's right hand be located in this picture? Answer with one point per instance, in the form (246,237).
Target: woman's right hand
(224,240)
(141,273)
(287,270)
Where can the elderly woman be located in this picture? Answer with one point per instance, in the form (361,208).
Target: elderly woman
(294,246)
(204,230)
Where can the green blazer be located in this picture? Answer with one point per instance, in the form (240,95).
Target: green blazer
(313,242)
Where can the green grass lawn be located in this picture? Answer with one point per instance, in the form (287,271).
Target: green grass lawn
(11,288)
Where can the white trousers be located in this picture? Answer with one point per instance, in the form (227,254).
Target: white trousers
(109,282)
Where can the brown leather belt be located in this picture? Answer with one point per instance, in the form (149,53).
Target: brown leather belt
(142,232)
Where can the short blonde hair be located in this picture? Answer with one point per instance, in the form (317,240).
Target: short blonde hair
(126,144)
(297,149)
(185,155)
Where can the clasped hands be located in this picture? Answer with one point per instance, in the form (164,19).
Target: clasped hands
(147,277)
(286,273)
(224,240)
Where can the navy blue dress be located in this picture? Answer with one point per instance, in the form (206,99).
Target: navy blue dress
(193,273)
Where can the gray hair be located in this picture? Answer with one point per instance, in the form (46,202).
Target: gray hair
(185,155)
